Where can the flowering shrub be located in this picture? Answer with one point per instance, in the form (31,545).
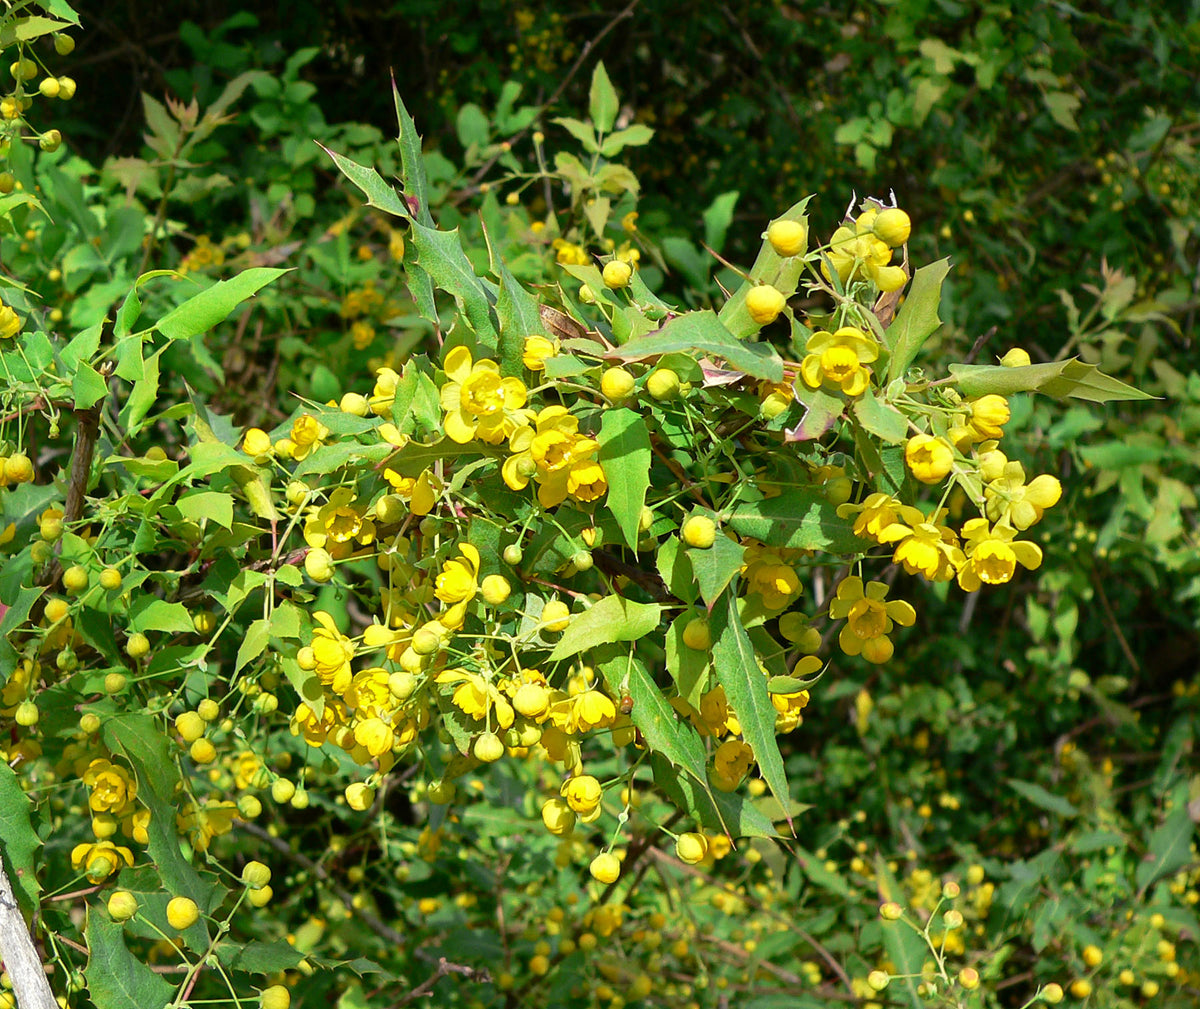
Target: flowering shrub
(577,562)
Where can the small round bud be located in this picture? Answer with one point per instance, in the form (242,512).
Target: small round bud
(691,847)
(892,226)
(764,303)
(495,589)
(699,531)
(1092,956)
(190,726)
(182,913)
(617,274)
(114,683)
(1052,993)
(583,560)
(208,709)
(318,564)
(259,896)
(275,997)
(513,555)
(19,469)
(788,238)
(356,404)
(89,722)
(137,645)
(616,384)
(891,911)
(359,796)
(256,874)
(75,579)
(662,384)
(440,793)
(49,87)
(282,790)
(26,714)
(556,616)
(202,751)
(64,45)
(50,141)
(66,88)
(697,635)
(877,980)
(110,579)
(605,867)
(968,977)
(250,806)
(1016,358)
(122,905)
(488,747)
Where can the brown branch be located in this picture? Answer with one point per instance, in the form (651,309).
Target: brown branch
(444,967)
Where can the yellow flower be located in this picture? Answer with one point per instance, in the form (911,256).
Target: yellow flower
(421,492)
(10,322)
(993,555)
(768,573)
(475,696)
(1013,502)
(552,451)
(307,434)
(716,716)
(113,788)
(925,548)
(731,763)
(583,795)
(363,334)
(478,402)
(592,710)
(100,860)
(203,823)
(869,619)
(586,481)
(332,651)
(989,414)
(876,513)
(374,735)
(857,254)
(838,360)
(457,584)
(538,349)
(929,458)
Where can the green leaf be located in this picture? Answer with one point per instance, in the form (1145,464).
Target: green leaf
(611,619)
(633,136)
(664,731)
(603,104)
(880,419)
(83,345)
(150,614)
(918,317)
(822,411)
(687,666)
(1169,847)
(715,566)
(116,979)
(412,161)
(87,386)
(145,746)
(701,331)
(441,255)
(1042,799)
(28,29)
(800,518)
(1060,379)
(471,125)
(676,570)
(258,634)
(745,686)
(260,957)
(717,219)
(20,840)
(203,311)
(377,191)
(625,458)
(581,131)
(1061,106)
(211,505)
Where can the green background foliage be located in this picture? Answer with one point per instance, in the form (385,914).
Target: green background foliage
(1042,735)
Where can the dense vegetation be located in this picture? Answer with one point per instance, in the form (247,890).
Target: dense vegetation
(679,526)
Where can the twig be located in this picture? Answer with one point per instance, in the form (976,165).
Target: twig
(444,967)
(588,46)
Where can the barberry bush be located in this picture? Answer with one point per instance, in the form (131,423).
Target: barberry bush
(482,664)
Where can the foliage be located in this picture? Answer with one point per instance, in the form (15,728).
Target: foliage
(435,588)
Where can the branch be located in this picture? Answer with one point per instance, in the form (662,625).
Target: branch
(21,959)
(444,967)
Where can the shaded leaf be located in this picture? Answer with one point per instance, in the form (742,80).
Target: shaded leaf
(116,979)
(918,317)
(800,518)
(1041,798)
(716,566)
(203,311)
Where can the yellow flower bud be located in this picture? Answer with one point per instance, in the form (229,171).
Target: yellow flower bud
(764,303)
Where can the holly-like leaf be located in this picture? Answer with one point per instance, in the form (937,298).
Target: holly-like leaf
(745,686)
(625,458)
(800,518)
(918,317)
(441,255)
(116,979)
(20,839)
(1060,379)
(203,311)
(716,566)
(611,619)
(702,332)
